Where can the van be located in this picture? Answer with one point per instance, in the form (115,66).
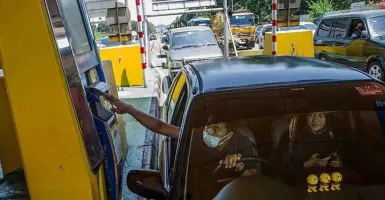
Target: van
(353,39)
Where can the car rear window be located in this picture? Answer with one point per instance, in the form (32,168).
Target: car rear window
(324,28)
(284,137)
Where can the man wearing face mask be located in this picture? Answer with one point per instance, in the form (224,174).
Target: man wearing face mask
(220,144)
(215,155)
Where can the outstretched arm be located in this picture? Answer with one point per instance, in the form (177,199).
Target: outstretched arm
(146,120)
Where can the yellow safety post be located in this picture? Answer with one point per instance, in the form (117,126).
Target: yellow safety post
(9,148)
(296,43)
(47,130)
(127,64)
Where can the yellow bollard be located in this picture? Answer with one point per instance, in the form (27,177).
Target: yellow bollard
(295,43)
(127,65)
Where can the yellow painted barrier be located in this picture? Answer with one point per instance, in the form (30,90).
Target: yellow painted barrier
(9,148)
(296,43)
(127,64)
(51,146)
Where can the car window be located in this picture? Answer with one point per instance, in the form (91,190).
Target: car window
(275,136)
(339,28)
(242,20)
(354,29)
(324,28)
(177,93)
(192,38)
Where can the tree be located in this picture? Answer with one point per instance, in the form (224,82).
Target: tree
(102,27)
(151,27)
(317,8)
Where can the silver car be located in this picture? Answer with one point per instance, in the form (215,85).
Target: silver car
(189,44)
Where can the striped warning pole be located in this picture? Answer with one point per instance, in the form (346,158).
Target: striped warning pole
(274,27)
(139,12)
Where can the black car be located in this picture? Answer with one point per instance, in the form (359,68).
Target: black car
(353,39)
(300,129)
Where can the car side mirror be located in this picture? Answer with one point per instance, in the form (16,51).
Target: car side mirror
(364,34)
(165,47)
(146,183)
(166,83)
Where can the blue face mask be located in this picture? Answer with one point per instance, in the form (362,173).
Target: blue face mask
(213,141)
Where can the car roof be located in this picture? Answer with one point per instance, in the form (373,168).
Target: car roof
(190,28)
(365,14)
(268,71)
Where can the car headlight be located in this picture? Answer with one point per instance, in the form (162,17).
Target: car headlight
(177,64)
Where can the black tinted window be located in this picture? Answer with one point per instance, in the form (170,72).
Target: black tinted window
(324,28)
(339,28)
(274,133)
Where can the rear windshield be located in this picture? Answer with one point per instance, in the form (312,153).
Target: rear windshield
(290,143)
(202,23)
(192,38)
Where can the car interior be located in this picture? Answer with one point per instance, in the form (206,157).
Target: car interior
(279,128)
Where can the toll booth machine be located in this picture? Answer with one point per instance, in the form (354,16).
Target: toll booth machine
(58,136)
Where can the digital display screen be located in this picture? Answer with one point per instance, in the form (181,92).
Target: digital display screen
(75,26)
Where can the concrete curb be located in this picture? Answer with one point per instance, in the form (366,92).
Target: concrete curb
(150,152)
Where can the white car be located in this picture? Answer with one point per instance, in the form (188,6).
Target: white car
(163,41)
(302,26)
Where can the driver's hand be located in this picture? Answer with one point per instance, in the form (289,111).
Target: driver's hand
(316,161)
(231,160)
(118,106)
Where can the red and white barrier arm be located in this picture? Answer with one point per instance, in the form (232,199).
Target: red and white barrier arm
(139,11)
(274,27)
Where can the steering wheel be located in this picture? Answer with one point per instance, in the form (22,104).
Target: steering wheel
(255,159)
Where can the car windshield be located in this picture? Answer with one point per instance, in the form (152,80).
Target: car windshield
(242,20)
(377,27)
(299,141)
(193,38)
(311,26)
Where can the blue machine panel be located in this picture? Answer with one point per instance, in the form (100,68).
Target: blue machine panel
(107,125)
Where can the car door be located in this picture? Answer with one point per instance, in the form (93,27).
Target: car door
(172,113)
(355,49)
(322,40)
(339,41)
